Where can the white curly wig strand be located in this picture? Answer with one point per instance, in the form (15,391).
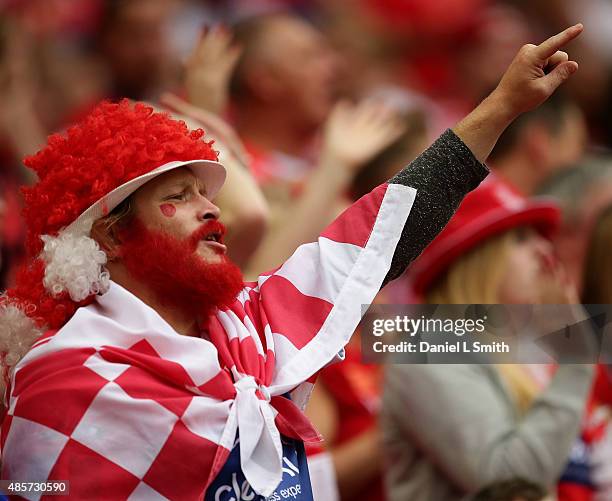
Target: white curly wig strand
(18,333)
(75,264)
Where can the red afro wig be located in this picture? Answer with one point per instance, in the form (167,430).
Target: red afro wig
(115,143)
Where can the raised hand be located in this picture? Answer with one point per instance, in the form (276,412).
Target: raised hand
(355,133)
(209,69)
(536,72)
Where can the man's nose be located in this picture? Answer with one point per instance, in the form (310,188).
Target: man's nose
(208,210)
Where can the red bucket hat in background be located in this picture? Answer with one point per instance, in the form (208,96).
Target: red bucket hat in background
(491,209)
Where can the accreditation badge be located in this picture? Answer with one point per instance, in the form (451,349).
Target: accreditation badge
(231,485)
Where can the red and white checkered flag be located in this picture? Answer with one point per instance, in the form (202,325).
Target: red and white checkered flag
(123,407)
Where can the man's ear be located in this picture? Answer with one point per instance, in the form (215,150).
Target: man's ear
(107,238)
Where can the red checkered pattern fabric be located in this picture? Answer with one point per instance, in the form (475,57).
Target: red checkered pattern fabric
(123,407)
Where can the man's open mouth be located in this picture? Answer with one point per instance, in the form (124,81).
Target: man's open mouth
(213,237)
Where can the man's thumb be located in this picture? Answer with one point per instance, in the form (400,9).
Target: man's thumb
(560,74)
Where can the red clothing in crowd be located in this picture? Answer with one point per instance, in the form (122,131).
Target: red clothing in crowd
(356,390)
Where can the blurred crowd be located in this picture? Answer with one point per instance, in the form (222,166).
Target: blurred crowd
(314,103)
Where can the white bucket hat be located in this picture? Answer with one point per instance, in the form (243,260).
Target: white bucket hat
(212,174)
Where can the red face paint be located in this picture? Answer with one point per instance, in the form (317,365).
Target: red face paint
(168,210)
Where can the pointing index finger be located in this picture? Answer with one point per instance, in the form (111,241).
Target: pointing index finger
(548,47)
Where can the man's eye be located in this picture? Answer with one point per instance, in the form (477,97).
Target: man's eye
(176,196)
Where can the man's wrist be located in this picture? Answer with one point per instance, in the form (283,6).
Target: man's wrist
(497,110)
(481,129)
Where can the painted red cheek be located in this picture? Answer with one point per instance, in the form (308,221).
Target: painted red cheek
(168,210)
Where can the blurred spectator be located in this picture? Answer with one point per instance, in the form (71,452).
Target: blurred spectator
(55,18)
(583,192)
(452,52)
(59,72)
(597,289)
(21,129)
(20,133)
(512,490)
(344,407)
(132,41)
(209,69)
(424,19)
(497,32)
(413,114)
(352,135)
(598,263)
(451,429)
(538,144)
(584,242)
(283,91)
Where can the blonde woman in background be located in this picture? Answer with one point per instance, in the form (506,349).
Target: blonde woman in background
(449,430)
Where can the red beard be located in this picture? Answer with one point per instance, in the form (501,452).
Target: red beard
(177,275)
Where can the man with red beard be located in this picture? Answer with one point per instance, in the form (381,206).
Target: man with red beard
(170,255)
(175,380)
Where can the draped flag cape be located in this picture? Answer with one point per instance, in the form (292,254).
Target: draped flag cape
(124,407)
